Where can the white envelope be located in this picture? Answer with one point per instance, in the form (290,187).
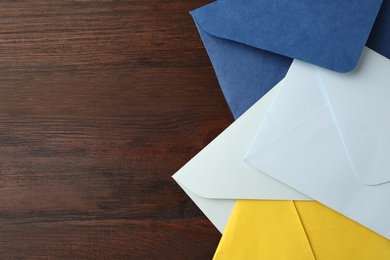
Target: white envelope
(328,135)
(218,175)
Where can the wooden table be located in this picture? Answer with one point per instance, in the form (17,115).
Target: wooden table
(100,103)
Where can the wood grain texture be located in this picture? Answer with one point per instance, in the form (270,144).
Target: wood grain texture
(100,103)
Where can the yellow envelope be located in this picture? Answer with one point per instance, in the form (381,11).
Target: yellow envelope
(259,229)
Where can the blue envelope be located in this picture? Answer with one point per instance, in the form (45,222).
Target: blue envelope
(244,67)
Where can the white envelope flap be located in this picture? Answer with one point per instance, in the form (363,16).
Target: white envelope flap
(361,107)
(335,152)
(287,112)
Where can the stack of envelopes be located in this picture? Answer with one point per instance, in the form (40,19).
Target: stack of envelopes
(304,171)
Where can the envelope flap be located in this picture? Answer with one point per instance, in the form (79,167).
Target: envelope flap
(361,103)
(287,112)
(330,34)
(316,156)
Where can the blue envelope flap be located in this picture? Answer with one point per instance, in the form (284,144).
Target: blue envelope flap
(330,33)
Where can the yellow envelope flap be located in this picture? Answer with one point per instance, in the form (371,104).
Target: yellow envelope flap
(296,230)
(334,236)
(264,230)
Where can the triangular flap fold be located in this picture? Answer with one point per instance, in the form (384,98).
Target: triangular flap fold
(360,103)
(289,107)
(330,34)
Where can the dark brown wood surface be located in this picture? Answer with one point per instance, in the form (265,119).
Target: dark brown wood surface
(100,103)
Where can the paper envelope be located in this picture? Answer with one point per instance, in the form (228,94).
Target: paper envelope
(296,230)
(328,135)
(245,73)
(218,175)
